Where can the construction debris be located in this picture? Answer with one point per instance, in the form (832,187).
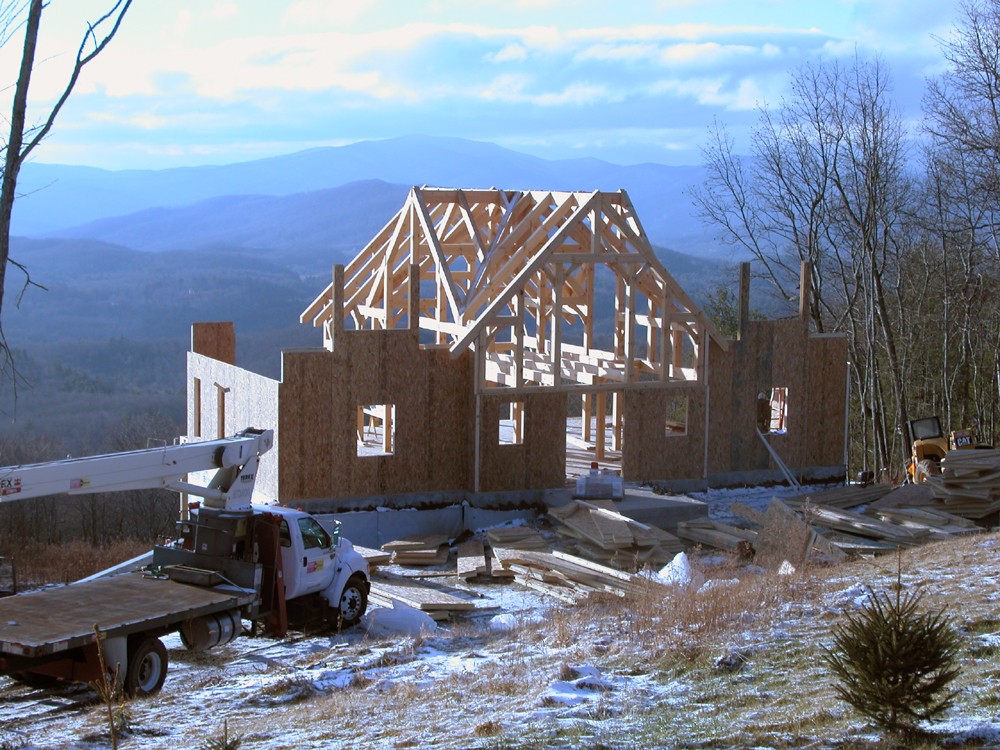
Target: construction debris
(427,549)
(436,600)
(969,483)
(472,559)
(566,577)
(600,533)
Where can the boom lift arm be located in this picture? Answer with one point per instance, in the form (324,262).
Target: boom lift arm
(234,458)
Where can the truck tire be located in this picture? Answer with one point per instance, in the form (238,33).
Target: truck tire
(147,666)
(353,602)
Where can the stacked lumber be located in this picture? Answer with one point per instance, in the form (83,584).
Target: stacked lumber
(426,549)
(835,531)
(600,533)
(969,484)
(841,497)
(516,537)
(568,578)
(373,556)
(868,527)
(472,560)
(939,524)
(715,534)
(438,601)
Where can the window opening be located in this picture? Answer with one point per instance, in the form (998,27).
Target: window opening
(376,430)
(676,416)
(772,410)
(511,423)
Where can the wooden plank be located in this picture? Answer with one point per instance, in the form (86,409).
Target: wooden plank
(472,559)
(416,543)
(423,596)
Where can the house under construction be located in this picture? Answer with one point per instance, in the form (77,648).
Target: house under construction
(460,341)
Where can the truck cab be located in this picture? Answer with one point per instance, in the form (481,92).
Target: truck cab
(315,561)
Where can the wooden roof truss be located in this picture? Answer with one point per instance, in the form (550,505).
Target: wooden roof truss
(516,276)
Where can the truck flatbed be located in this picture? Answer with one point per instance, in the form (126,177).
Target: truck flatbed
(51,620)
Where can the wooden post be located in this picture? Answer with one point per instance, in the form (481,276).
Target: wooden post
(413,313)
(335,324)
(599,441)
(387,427)
(743,302)
(805,289)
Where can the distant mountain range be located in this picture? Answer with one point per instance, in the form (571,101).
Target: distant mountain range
(302,198)
(131,258)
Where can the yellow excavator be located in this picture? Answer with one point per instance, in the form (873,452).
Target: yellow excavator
(929,445)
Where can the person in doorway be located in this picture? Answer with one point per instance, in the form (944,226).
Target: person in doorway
(763,413)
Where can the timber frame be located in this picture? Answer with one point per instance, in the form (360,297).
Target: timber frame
(461,341)
(514,276)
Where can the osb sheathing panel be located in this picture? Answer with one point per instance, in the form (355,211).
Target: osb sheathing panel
(777,354)
(540,460)
(215,340)
(309,454)
(251,401)
(430,392)
(650,453)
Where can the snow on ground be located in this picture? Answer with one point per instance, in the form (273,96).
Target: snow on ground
(521,671)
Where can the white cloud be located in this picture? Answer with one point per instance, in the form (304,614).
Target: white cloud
(510,52)
(225,11)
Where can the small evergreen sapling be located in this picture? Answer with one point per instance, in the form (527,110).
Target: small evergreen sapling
(894,663)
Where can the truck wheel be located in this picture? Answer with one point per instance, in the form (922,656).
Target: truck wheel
(147,666)
(353,601)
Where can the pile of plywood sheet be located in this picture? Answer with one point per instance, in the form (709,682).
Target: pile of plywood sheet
(438,601)
(566,577)
(425,549)
(814,531)
(969,483)
(599,532)
(842,497)
(715,534)
(516,537)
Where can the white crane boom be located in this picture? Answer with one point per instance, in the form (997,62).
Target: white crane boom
(166,467)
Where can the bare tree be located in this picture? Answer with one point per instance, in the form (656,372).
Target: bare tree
(825,182)
(22,138)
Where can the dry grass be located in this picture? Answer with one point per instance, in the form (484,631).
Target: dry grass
(70,561)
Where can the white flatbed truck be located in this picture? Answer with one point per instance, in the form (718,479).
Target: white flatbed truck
(232,561)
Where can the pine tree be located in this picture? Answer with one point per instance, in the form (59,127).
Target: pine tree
(894,663)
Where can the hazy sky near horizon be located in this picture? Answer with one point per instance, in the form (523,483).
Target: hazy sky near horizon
(190,82)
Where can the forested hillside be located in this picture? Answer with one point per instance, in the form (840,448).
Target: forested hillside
(899,223)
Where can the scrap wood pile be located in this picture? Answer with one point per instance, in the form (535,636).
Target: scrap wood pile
(436,600)
(566,577)
(598,532)
(427,549)
(969,483)
(808,526)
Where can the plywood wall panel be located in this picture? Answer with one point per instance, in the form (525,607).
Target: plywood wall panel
(649,453)
(215,340)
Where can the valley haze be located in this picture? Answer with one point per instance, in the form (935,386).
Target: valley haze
(130,259)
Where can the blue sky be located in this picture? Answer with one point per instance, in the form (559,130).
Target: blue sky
(192,82)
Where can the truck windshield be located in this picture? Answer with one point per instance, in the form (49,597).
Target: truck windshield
(313,535)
